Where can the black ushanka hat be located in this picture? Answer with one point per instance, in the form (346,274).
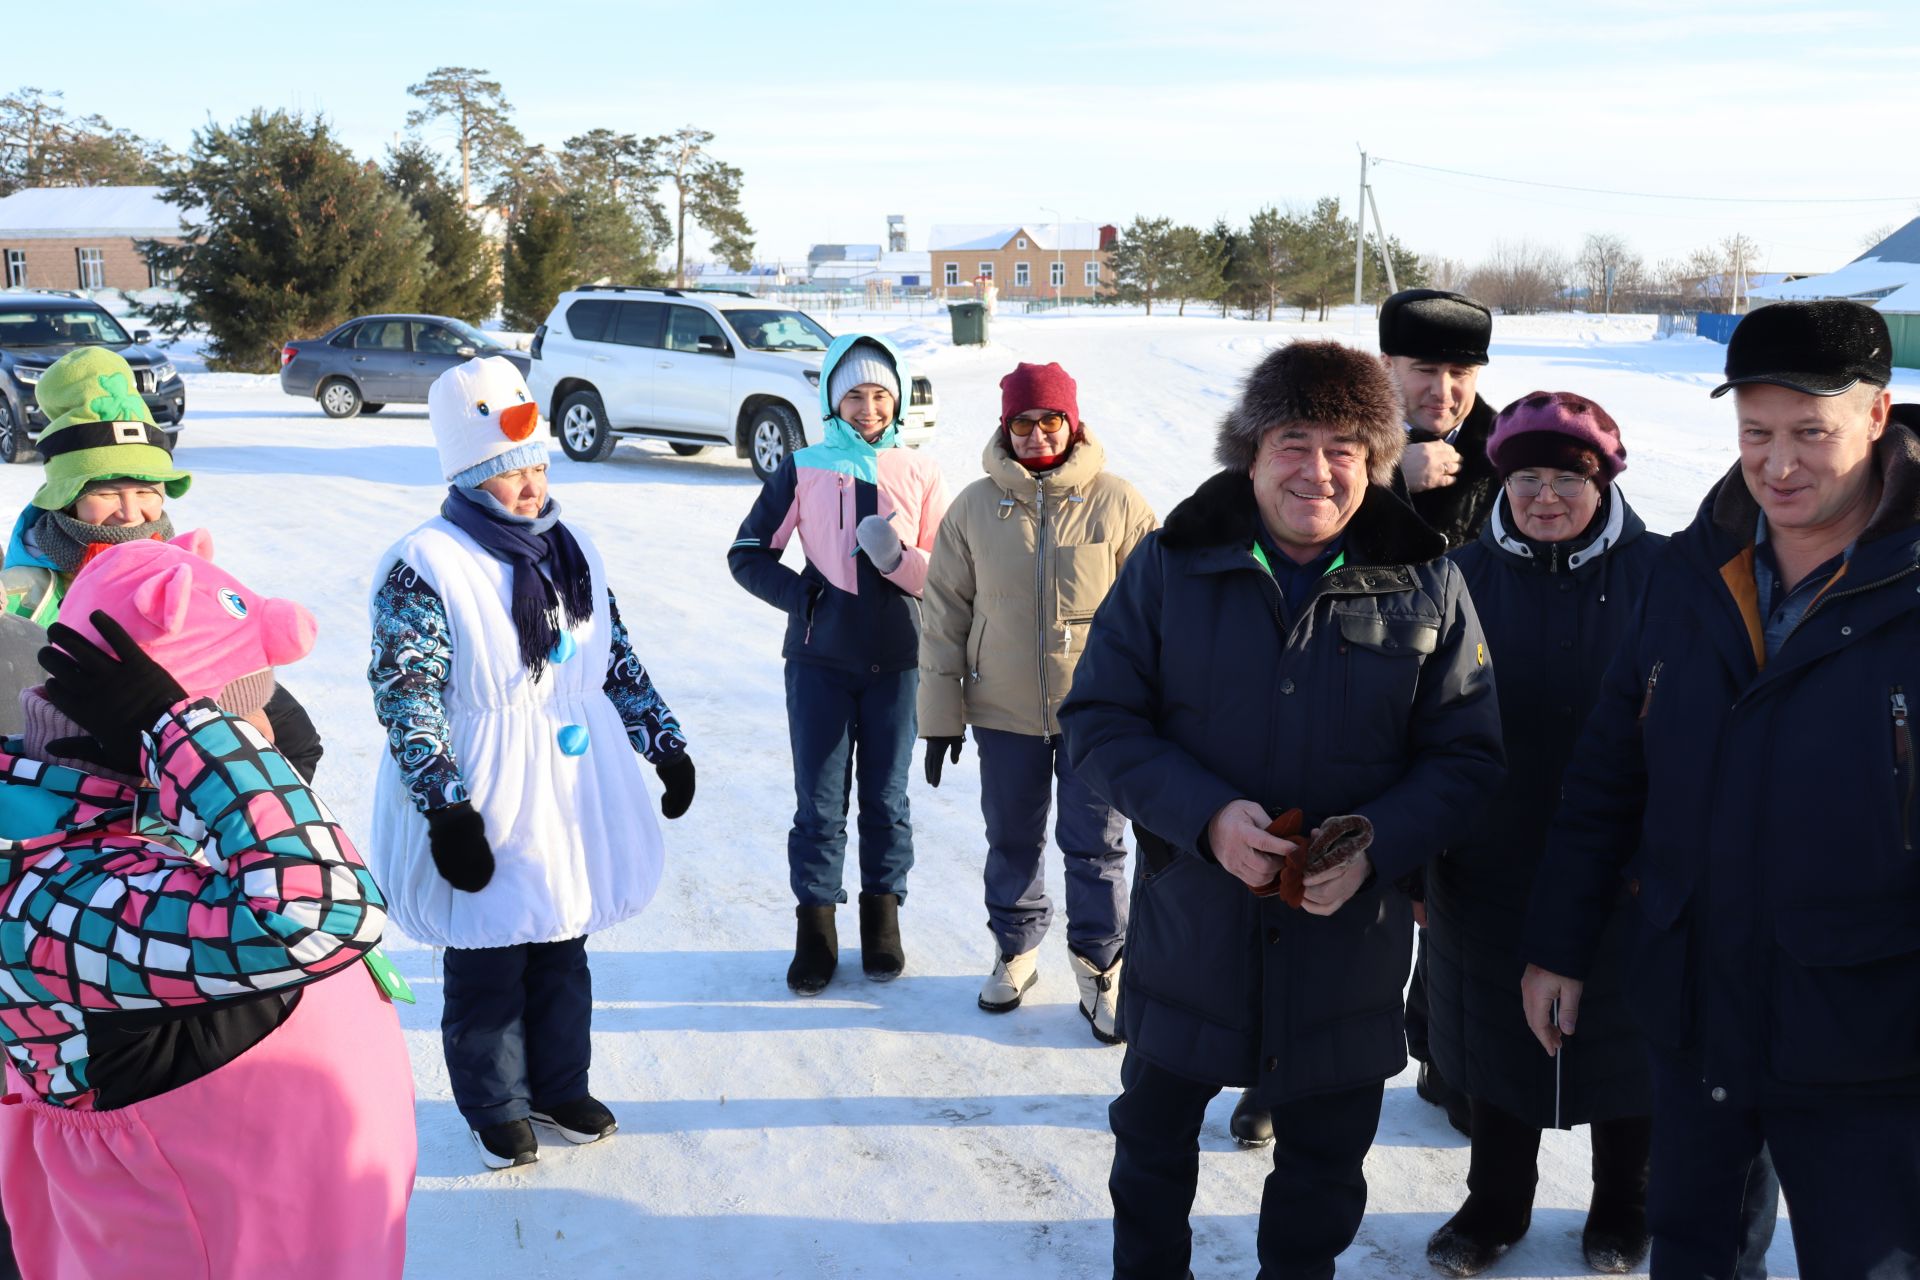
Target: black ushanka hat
(1432,324)
(1818,348)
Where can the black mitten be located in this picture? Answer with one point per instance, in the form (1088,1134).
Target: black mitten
(939,751)
(676,774)
(457,837)
(114,696)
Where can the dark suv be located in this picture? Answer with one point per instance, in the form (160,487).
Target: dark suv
(38,328)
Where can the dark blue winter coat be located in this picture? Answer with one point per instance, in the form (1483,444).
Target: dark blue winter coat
(1763,812)
(1195,690)
(1553,614)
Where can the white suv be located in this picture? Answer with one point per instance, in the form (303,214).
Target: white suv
(693,367)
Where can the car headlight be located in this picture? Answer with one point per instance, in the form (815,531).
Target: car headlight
(813,376)
(163,372)
(30,375)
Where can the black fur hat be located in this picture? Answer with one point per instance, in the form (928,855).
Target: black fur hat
(1319,382)
(1819,348)
(1432,324)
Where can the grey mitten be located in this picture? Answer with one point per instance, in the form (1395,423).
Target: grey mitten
(880,542)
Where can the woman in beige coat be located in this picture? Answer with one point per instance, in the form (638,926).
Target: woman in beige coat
(1022,560)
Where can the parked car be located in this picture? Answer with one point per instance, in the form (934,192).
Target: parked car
(371,362)
(38,328)
(696,368)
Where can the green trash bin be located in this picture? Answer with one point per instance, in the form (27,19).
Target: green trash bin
(969,323)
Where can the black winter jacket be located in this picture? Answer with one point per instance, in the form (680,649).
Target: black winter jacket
(1458,511)
(1553,615)
(1764,812)
(1194,690)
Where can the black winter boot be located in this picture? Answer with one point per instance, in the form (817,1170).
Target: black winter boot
(1615,1239)
(880,953)
(1501,1177)
(1432,1087)
(816,951)
(1252,1124)
(1474,1238)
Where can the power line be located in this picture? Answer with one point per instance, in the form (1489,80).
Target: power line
(1653,195)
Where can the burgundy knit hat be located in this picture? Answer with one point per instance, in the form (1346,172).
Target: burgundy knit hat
(1039,386)
(1557,429)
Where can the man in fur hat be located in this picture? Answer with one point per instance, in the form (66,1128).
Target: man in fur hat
(1287,645)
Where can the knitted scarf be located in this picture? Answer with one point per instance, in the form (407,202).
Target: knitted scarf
(68,543)
(549,569)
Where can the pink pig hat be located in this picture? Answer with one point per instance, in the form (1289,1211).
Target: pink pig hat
(216,637)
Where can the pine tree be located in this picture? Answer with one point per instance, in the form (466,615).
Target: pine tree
(541,261)
(41,145)
(481,119)
(1145,260)
(1271,256)
(1321,245)
(295,236)
(1196,273)
(462,264)
(619,225)
(706,189)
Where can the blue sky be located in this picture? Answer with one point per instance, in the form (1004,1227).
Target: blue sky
(841,113)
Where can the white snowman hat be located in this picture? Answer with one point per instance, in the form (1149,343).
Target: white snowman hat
(485,421)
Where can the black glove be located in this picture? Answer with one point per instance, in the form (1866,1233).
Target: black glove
(114,701)
(457,837)
(939,750)
(676,774)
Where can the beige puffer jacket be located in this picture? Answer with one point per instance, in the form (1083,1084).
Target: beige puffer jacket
(1001,626)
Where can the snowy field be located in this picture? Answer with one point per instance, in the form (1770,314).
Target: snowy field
(878,1131)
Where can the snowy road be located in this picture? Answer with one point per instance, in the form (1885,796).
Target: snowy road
(878,1131)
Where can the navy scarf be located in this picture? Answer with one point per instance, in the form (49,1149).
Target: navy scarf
(549,569)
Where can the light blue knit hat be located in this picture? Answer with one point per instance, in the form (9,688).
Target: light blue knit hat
(865,363)
(530,454)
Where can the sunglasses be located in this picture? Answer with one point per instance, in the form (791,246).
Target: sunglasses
(1047,425)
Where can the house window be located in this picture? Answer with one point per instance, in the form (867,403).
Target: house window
(1093,274)
(986,271)
(16,268)
(1022,275)
(1057,274)
(953,274)
(1021,243)
(93,268)
(159,277)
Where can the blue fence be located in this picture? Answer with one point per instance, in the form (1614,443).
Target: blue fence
(1712,324)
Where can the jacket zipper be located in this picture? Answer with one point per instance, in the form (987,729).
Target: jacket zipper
(1040,601)
(1903,763)
(1653,678)
(1842,595)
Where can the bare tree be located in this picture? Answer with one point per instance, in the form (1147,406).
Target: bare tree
(1519,277)
(1446,273)
(1604,259)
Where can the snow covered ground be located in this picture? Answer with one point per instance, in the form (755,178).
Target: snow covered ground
(879,1131)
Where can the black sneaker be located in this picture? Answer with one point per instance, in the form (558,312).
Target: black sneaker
(504,1146)
(581,1121)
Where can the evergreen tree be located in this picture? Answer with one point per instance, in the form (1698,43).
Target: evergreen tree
(295,235)
(1320,242)
(482,121)
(1196,271)
(708,190)
(462,264)
(619,225)
(41,145)
(541,261)
(610,244)
(1271,259)
(1145,260)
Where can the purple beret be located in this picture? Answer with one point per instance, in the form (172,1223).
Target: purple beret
(1552,429)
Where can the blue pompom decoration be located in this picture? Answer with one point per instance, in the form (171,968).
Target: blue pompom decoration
(563,648)
(573,739)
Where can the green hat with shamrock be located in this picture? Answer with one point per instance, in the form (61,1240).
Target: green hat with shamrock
(98,428)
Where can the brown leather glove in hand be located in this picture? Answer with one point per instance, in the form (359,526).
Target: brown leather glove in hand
(1335,843)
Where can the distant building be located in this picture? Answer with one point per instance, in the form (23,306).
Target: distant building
(760,275)
(904,269)
(1068,260)
(84,238)
(1885,277)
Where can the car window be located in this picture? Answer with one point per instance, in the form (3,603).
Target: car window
(637,324)
(687,325)
(587,321)
(61,327)
(434,340)
(382,335)
(778,330)
(344,338)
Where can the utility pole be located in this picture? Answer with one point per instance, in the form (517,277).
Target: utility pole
(1393,286)
(1360,228)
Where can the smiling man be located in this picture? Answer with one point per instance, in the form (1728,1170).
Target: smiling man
(1287,642)
(1749,773)
(1434,344)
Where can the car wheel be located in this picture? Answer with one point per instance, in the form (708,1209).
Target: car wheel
(773,434)
(584,433)
(340,398)
(686,450)
(15,446)
(369,407)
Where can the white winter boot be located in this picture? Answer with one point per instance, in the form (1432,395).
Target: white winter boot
(1008,982)
(1099,997)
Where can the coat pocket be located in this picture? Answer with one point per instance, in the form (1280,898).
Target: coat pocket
(1846,985)
(1380,657)
(1082,577)
(1191,942)
(976,637)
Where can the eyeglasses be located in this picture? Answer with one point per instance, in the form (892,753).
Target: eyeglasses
(1566,488)
(1047,424)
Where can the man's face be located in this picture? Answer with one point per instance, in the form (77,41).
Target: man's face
(116,503)
(1308,481)
(522,491)
(1437,395)
(1808,460)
